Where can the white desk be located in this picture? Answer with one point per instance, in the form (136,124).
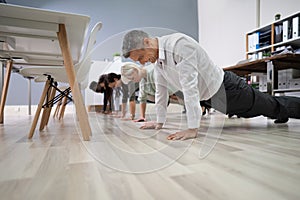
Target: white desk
(43,37)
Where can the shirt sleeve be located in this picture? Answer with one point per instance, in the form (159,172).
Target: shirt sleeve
(125,93)
(161,95)
(185,55)
(131,90)
(142,92)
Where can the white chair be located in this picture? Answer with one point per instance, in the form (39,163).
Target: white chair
(53,74)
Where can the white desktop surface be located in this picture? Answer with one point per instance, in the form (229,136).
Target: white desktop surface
(35,33)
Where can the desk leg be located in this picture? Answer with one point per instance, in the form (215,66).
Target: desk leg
(5,88)
(272,78)
(80,108)
(275,79)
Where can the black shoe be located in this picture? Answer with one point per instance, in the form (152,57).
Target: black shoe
(281,121)
(230,115)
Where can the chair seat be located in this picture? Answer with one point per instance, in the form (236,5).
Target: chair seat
(58,73)
(40,73)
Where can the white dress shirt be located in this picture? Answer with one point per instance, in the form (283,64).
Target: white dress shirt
(183,64)
(147,86)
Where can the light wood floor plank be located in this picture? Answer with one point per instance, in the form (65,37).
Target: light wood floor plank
(246,159)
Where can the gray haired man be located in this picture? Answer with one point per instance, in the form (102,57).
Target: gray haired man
(181,62)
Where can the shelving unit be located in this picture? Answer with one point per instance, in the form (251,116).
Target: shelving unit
(264,41)
(270,41)
(264,55)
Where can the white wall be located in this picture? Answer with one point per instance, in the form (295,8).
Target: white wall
(223,25)
(269,8)
(222,28)
(97,69)
(91,97)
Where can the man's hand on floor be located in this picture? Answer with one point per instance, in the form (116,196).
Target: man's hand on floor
(152,125)
(183,135)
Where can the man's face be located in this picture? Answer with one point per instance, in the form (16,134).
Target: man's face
(112,84)
(116,83)
(102,84)
(144,55)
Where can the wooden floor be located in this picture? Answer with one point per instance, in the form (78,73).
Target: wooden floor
(231,159)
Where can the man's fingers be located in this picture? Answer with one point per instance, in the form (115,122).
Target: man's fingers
(183,138)
(170,136)
(158,127)
(183,135)
(174,136)
(178,136)
(148,127)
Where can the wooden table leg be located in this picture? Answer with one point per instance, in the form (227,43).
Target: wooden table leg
(5,89)
(80,108)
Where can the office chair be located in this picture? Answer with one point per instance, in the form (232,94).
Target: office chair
(53,74)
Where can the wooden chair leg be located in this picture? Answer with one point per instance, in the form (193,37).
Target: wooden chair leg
(53,92)
(63,107)
(47,110)
(57,108)
(5,89)
(82,115)
(42,122)
(38,111)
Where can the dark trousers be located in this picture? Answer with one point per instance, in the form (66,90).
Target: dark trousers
(236,97)
(107,99)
